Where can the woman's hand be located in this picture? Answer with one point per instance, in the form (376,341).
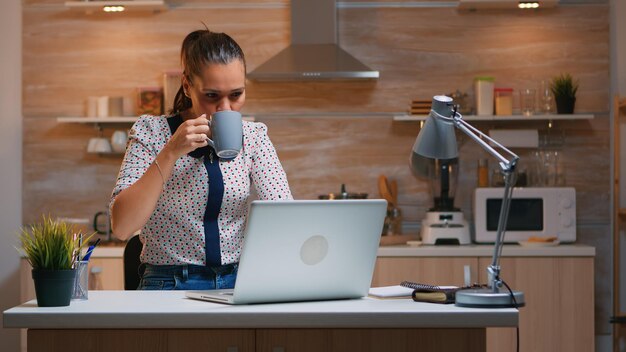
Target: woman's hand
(190,135)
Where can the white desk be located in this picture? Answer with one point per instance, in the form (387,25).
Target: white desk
(166,319)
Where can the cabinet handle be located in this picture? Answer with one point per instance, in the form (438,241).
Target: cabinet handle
(232,349)
(278,349)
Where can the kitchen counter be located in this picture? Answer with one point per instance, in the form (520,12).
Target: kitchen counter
(486,250)
(473,250)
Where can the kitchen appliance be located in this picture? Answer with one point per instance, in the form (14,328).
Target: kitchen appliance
(444,224)
(102,225)
(535,211)
(313,53)
(343,194)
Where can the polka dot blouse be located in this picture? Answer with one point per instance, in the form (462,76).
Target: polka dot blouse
(174,234)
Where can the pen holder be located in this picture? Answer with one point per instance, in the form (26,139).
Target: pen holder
(81,283)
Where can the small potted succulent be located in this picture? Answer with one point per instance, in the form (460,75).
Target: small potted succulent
(51,247)
(564,89)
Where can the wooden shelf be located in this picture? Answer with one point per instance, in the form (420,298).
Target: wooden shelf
(112,119)
(129,5)
(503,118)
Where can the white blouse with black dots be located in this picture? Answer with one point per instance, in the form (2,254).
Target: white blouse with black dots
(174,234)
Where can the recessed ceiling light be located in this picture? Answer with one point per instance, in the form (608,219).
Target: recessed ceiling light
(113,8)
(528,4)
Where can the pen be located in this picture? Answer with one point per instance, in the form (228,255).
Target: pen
(90,250)
(80,244)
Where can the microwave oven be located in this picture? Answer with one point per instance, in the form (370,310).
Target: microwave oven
(540,212)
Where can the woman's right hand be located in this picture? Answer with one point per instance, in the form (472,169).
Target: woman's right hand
(190,135)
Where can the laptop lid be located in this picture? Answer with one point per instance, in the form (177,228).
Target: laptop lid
(307,250)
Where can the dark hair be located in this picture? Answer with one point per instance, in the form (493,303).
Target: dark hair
(200,48)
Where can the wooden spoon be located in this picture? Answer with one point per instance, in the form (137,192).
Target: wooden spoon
(384,189)
(394,192)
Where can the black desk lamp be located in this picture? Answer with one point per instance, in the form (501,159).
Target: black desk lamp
(437,140)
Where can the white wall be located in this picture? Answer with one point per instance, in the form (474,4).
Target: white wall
(10,161)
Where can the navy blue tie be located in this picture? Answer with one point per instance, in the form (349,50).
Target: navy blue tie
(213,205)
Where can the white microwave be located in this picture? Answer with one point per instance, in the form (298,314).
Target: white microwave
(541,211)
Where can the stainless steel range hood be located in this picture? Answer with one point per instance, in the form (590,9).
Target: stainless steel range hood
(313,53)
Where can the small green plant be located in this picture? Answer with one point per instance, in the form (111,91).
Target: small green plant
(564,86)
(50,245)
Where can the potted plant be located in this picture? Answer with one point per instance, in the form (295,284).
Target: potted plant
(564,89)
(51,247)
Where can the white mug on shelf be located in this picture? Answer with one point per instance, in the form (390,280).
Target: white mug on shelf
(99,145)
(103,107)
(92,106)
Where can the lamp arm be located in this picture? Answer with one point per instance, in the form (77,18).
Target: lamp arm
(508,169)
(479,137)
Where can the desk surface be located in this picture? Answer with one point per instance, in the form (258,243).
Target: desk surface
(170,309)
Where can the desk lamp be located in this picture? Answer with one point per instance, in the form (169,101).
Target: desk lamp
(437,140)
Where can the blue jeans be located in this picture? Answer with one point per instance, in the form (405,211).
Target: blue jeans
(187,277)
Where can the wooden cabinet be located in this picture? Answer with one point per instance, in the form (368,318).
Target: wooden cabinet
(434,271)
(260,340)
(559,312)
(369,340)
(121,340)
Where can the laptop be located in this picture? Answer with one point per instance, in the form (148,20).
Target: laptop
(304,250)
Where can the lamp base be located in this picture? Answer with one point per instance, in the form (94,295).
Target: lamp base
(486,298)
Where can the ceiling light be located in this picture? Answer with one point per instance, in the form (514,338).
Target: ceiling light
(113,8)
(528,5)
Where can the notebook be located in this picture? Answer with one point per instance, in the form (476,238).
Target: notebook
(305,250)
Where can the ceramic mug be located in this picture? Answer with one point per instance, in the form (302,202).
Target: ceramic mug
(99,145)
(227,132)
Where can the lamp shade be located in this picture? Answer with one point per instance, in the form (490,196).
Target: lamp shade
(437,139)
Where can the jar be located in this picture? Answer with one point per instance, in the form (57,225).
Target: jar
(483,173)
(483,90)
(504,101)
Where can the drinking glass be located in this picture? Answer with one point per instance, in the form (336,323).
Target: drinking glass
(527,99)
(546,98)
(547,169)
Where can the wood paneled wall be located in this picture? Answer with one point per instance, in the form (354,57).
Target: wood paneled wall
(419,51)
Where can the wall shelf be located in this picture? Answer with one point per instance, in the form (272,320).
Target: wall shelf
(112,119)
(409,118)
(129,5)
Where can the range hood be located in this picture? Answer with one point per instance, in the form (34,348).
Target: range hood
(313,53)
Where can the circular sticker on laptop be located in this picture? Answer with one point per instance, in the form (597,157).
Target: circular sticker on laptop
(314,250)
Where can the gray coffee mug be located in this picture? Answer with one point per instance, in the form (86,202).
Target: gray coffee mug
(227,131)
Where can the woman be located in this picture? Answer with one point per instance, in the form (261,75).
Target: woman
(190,205)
